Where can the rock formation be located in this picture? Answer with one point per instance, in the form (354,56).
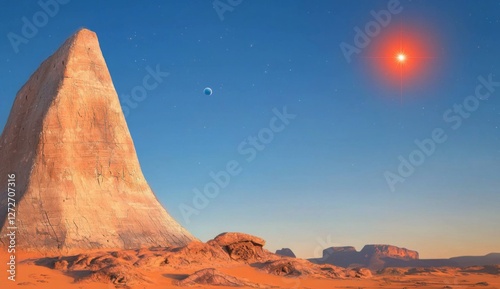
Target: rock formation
(286,252)
(377,257)
(489,259)
(79,184)
(300,267)
(207,260)
(342,256)
(212,277)
(374,257)
(389,251)
(242,247)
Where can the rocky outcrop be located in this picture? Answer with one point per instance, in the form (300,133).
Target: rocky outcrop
(299,267)
(286,252)
(79,185)
(227,248)
(198,253)
(212,277)
(119,275)
(230,238)
(125,267)
(242,247)
(116,267)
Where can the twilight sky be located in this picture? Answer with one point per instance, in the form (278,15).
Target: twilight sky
(328,176)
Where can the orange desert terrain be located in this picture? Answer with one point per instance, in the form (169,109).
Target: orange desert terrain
(36,272)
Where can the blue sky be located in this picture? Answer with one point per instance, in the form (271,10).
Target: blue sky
(320,182)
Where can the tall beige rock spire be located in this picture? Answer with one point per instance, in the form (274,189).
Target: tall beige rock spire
(79,182)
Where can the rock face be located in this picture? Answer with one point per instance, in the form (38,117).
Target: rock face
(79,184)
(286,252)
(389,251)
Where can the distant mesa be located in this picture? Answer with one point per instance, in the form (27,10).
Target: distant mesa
(286,252)
(378,257)
(374,257)
(371,256)
(341,249)
(78,179)
(389,251)
(489,259)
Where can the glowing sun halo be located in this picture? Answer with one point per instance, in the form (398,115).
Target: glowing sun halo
(401,57)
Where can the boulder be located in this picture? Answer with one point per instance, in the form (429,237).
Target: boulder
(286,252)
(241,247)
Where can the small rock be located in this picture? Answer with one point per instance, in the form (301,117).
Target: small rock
(286,252)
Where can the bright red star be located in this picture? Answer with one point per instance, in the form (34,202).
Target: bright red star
(401,56)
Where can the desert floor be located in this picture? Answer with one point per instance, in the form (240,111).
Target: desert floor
(30,275)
